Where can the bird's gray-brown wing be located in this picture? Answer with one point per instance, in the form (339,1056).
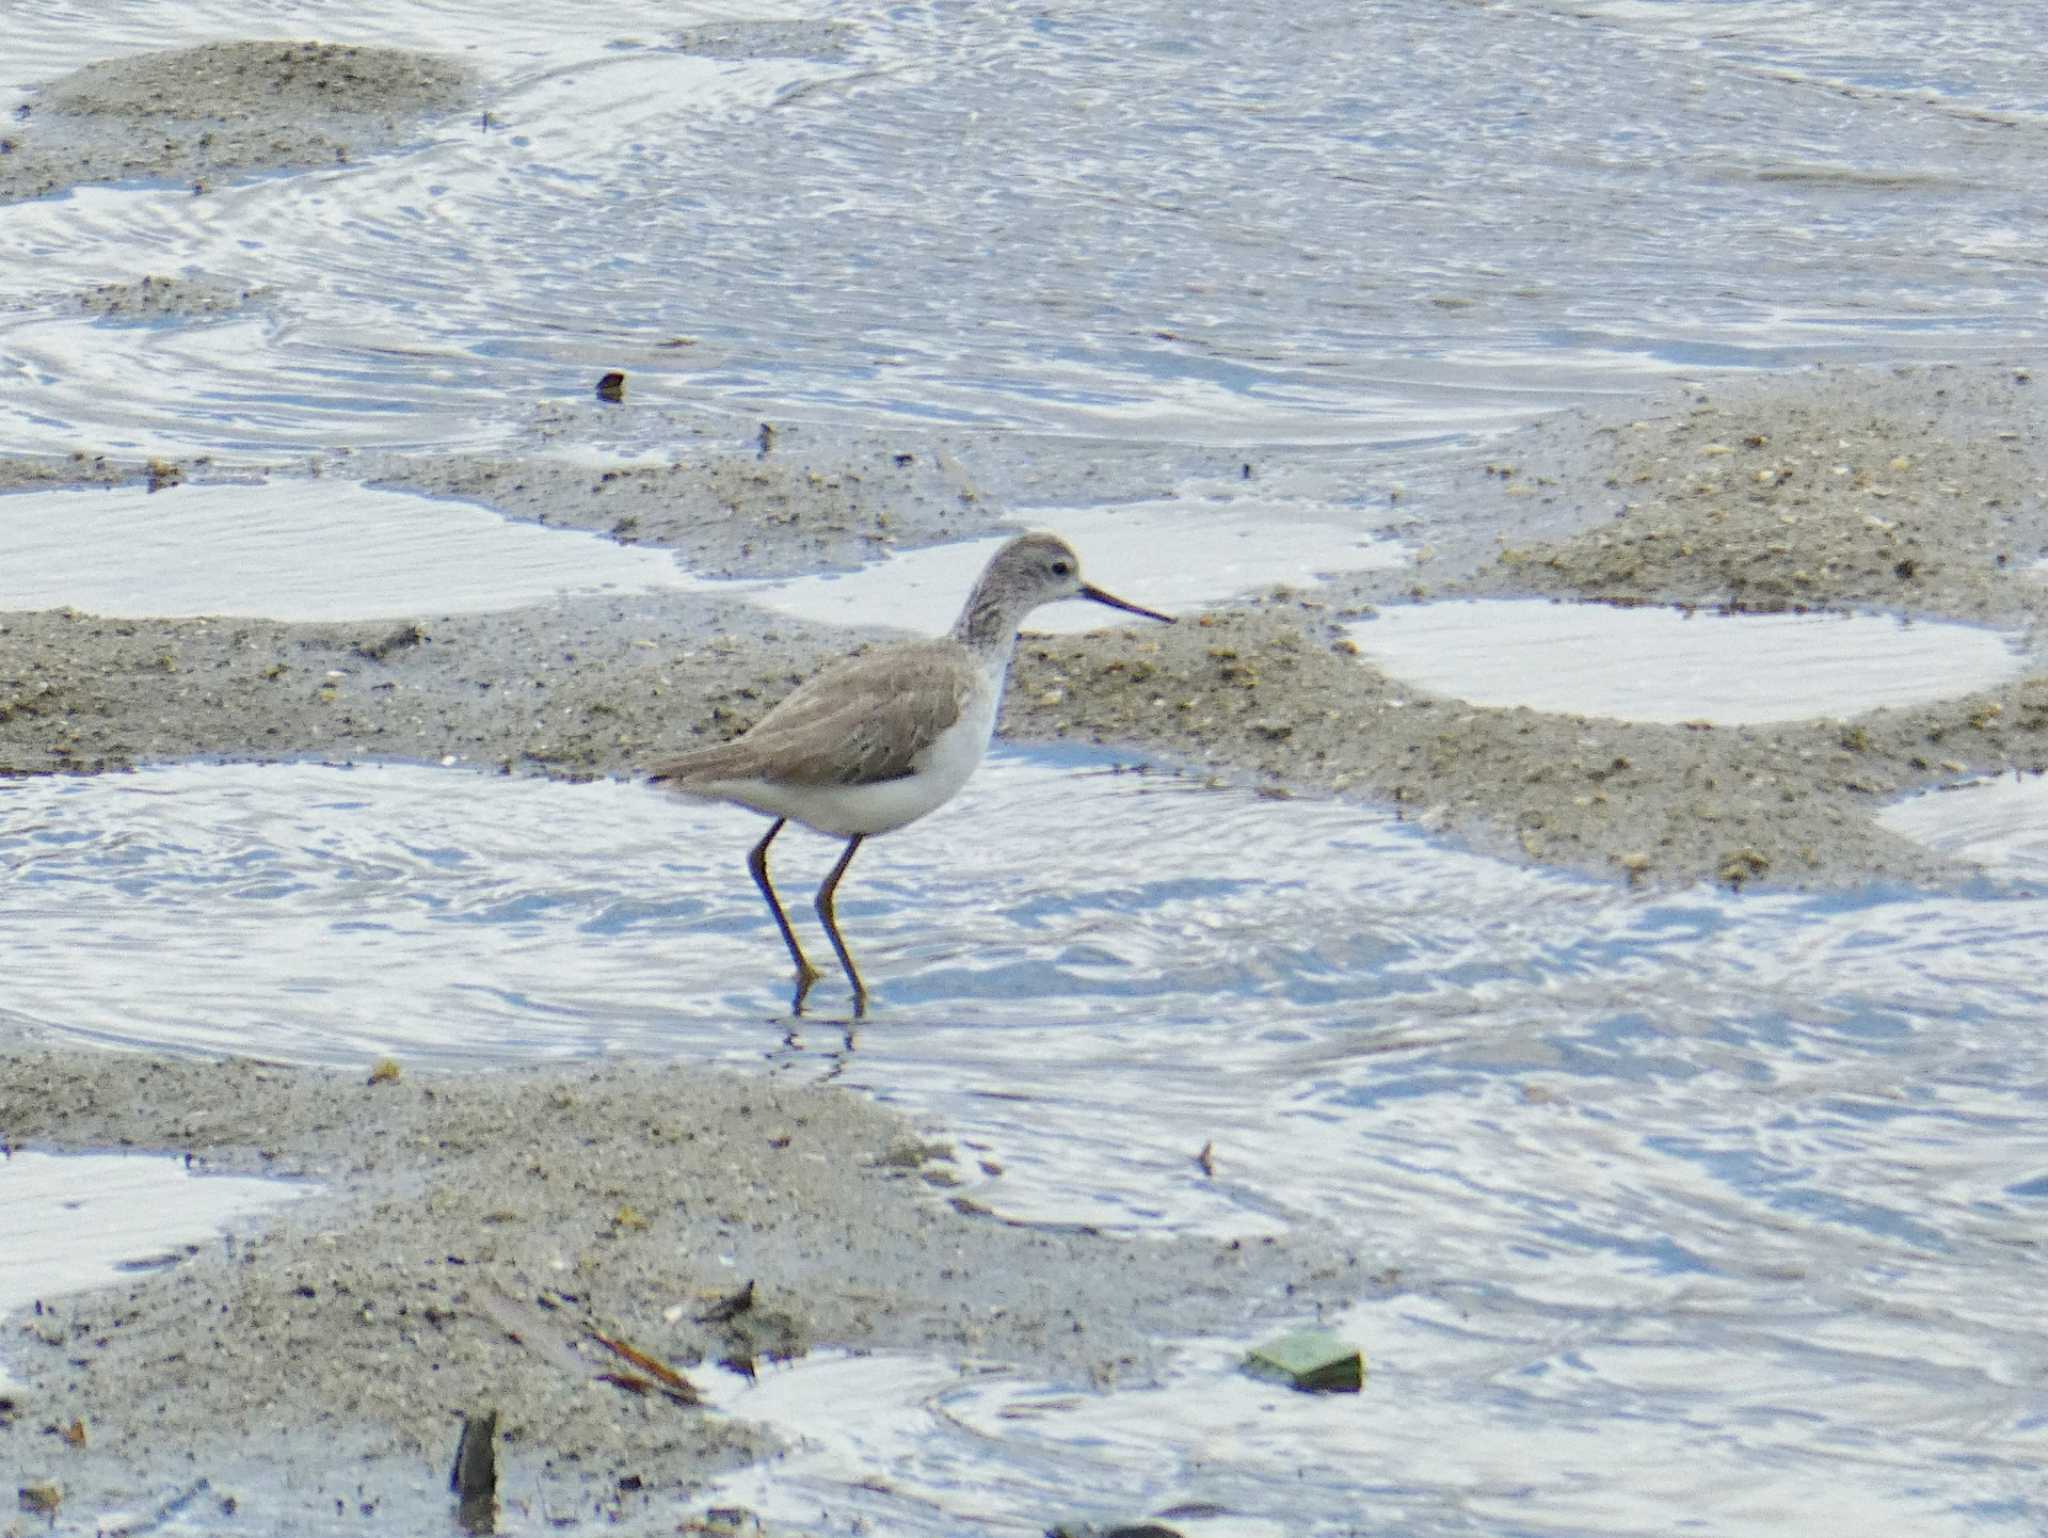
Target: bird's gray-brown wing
(861,721)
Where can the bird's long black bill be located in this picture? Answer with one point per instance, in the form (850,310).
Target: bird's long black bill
(1115,602)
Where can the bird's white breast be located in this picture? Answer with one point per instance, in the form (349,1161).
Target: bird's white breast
(935,778)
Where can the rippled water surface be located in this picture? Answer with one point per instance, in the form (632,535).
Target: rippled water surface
(1689,1200)
(1339,225)
(2002,824)
(1698,1210)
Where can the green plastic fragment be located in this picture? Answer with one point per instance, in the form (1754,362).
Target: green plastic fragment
(1313,1361)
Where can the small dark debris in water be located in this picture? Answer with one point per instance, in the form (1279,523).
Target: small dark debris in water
(1311,1361)
(163,473)
(21,113)
(487,122)
(730,1306)
(385,1071)
(478,1518)
(1205,1161)
(74,1433)
(1246,472)
(1095,1530)
(765,438)
(722,1521)
(741,1366)
(904,461)
(474,1477)
(612,387)
(40,1499)
(174,1507)
(1906,570)
(162,1262)
(475,1471)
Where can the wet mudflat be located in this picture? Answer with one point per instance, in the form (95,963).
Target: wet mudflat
(1906,496)
(509,1263)
(1296,1031)
(1648,1084)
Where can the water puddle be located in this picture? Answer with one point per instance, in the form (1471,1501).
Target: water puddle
(1219,551)
(75,1221)
(296,550)
(1676,1194)
(2002,824)
(1647,664)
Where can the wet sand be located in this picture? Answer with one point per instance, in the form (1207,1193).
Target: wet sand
(223,109)
(1911,493)
(473,1236)
(1908,494)
(364,1322)
(322,1360)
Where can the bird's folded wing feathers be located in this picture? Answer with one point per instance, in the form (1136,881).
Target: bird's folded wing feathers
(865,720)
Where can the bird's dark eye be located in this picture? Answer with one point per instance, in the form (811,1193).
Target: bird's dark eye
(1061,569)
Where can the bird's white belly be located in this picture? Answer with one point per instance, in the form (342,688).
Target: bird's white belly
(883,805)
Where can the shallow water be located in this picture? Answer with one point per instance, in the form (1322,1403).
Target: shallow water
(1691,1201)
(2002,824)
(84,1220)
(1706,1208)
(1143,224)
(247,550)
(1650,664)
(1223,545)
(234,549)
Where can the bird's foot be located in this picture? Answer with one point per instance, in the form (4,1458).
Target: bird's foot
(806,975)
